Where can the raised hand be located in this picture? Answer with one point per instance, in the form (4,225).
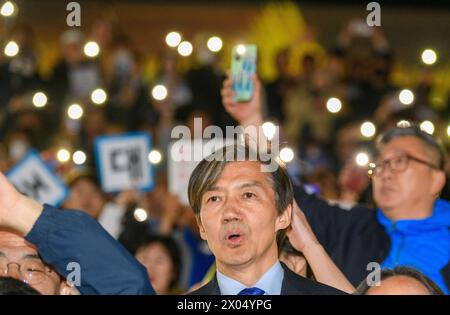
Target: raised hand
(300,234)
(245,113)
(17,212)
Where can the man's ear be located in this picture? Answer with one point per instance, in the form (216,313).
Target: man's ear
(284,219)
(438,182)
(200,227)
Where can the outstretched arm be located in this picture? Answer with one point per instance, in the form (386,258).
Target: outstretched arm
(64,237)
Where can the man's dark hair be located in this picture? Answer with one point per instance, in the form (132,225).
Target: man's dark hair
(431,287)
(431,143)
(12,286)
(208,171)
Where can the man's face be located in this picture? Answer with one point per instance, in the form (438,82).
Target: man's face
(416,186)
(16,250)
(239,219)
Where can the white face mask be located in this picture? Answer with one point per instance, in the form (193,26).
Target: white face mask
(17,149)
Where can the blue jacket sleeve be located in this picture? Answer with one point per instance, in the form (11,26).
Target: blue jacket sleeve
(65,237)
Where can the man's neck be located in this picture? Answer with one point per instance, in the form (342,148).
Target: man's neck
(248,274)
(419,212)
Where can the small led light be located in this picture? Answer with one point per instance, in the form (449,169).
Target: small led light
(140,215)
(427,126)
(368,129)
(98,96)
(75,111)
(39,99)
(406,97)
(185,48)
(154,157)
(173,39)
(63,155)
(362,159)
(334,105)
(79,157)
(11,49)
(91,49)
(159,92)
(286,155)
(214,44)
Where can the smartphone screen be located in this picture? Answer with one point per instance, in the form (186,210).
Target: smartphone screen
(243,66)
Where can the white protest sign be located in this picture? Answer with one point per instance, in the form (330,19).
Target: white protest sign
(32,177)
(184,155)
(122,162)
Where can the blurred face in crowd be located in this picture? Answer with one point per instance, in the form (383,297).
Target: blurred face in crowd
(239,219)
(156,259)
(86,196)
(409,193)
(399,285)
(20,260)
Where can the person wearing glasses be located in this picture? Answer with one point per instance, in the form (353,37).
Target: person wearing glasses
(20,260)
(411,225)
(72,242)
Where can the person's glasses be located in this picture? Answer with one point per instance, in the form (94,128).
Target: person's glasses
(396,164)
(31,272)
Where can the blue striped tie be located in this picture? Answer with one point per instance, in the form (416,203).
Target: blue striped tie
(252,291)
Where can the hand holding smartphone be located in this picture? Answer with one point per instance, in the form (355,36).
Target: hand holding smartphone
(243,67)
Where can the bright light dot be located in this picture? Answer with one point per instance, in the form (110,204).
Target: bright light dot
(11,49)
(368,129)
(269,130)
(429,56)
(140,215)
(427,126)
(159,92)
(98,96)
(173,39)
(75,111)
(406,97)
(214,44)
(63,155)
(448,130)
(403,124)
(154,157)
(91,49)
(39,99)
(7,9)
(362,159)
(334,105)
(185,48)
(240,49)
(79,157)
(286,155)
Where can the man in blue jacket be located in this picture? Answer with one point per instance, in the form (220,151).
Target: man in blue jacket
(72,241)
(411,225)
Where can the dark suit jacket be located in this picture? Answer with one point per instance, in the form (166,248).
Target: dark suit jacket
(353,238)
(293,284)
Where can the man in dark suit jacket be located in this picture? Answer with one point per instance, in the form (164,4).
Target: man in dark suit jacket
(242,208)
(292,284)
(411,226)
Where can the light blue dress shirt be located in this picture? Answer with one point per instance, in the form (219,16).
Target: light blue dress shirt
(270,282)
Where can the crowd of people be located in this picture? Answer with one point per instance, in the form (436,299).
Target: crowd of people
(313,226)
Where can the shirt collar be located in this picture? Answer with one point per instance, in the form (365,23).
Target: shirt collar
(270,282)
